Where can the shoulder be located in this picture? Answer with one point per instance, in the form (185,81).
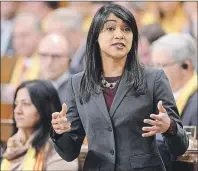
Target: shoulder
(77,76)
(74,82)
(153,73)
(76,79)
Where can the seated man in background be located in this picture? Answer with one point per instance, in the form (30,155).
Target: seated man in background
(148,34)
(8,12)
(53,53)
(39,8)
(68,23)
(26,36)
(176,54)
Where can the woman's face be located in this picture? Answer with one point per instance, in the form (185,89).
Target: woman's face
(25,113)
(115,39)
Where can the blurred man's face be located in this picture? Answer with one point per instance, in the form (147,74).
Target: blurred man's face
(82,7)
(36,8)
(54,59)
(144,53)
(74,37)
(8,9)
(168,7)
(25,38)
(172,69)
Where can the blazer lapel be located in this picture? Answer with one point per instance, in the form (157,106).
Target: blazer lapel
(120,93)
(100,102)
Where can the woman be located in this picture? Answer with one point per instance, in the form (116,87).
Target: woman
(117,103)
(30,147)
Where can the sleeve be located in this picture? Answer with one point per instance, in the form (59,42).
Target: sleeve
(55,162)
(68,145)
(172,130)
(177,143)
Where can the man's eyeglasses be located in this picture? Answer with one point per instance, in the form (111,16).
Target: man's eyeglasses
(53,56)
(163,65)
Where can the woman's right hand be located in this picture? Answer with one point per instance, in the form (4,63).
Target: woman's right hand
(59,121)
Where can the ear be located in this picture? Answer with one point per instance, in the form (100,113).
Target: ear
(187,64)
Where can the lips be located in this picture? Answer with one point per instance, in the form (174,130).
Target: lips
(119,45)
(19,118)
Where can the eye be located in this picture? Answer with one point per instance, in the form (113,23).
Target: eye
(127,29)
(110,28)
(26,104)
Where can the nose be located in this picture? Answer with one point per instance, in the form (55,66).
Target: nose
(49,60)
(119,34)
(18,109)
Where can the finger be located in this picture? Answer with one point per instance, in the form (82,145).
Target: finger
(148,134)
(55,115)
(161,107)
(156,117)
(65,126)
(150,128)
(149,121)
(59,131)
(62,120)
(55,121)
(57,126)
(64,109)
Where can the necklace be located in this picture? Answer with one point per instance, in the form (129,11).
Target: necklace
(106,84)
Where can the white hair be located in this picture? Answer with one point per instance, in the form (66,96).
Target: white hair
(71,19)
(179,47)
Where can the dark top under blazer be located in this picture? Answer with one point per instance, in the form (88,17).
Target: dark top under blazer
(115,137)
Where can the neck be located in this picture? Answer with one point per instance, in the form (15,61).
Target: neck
(28,132)
(113,67)
(182,81)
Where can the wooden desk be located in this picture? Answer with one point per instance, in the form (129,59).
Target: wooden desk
(6,121)
(83,154)
(7,66)
(6,111)
(6,129)
(187,162)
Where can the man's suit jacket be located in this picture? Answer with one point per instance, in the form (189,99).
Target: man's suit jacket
(189,115)
(115,137)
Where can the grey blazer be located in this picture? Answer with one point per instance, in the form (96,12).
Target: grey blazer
(115,137)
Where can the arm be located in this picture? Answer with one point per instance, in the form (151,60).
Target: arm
(177,143)
(69,143)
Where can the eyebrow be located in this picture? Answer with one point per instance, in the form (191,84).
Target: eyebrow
(110,20)
(24,99)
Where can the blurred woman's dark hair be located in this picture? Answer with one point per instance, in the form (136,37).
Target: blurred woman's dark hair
(91,79)
(52,4)
(45,98)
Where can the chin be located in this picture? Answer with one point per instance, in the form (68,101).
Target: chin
(119,56)
(20,125)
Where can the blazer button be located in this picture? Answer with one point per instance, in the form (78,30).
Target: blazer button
(112,152)
(110,129)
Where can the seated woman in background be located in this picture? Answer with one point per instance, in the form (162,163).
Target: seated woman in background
(30,147)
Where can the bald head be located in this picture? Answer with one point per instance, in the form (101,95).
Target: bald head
(54,42)
(53,51)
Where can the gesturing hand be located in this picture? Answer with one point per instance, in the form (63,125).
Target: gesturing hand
(160,124)
(59,121)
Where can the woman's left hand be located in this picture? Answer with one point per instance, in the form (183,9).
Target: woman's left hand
(160,124)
